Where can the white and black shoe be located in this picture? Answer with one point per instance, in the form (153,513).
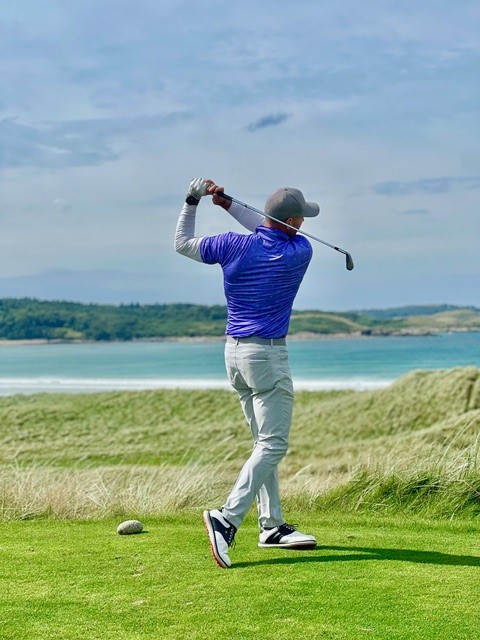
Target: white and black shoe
(286,537)
(221,533)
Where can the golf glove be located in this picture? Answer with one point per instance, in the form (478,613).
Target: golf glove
(197,188)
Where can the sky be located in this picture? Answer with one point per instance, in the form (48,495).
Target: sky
(108,108)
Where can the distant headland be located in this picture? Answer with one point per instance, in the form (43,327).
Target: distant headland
(31,320)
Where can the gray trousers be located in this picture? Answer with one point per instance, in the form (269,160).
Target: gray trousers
(261,376)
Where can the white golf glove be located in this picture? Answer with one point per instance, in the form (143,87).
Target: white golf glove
(197,188)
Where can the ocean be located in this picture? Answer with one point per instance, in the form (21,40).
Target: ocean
(328,363)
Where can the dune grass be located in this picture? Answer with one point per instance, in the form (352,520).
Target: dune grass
(412,447)
(386,579)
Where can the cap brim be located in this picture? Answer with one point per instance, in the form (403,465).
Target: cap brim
(311,210)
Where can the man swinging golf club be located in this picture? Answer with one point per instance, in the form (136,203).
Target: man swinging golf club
(262,272)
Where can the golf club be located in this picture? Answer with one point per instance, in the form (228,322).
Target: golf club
(349,259)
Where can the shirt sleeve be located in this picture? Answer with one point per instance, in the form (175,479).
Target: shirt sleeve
(214,249)
(246,217)
(185,241)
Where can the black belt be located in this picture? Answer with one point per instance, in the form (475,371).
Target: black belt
(277,342)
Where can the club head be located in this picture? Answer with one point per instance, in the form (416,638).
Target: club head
(349,262)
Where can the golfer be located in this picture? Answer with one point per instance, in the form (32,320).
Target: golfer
(262,272)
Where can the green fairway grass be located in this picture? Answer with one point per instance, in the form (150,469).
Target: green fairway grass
(389,579)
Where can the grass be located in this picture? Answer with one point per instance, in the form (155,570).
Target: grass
(42,491)
(413,446)
(369,578)
(388,481)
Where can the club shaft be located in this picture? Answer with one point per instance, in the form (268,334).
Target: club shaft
(309,235)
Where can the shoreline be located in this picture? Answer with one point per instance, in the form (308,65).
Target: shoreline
(65,385)
(304,335)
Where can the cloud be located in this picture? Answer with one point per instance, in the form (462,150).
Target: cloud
(415,212)
(73,143)
(101,285)
(271,120)
(384,86)
(61,206)
(428,186)
(53,146)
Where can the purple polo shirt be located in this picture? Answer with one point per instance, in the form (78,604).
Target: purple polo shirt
(262,273)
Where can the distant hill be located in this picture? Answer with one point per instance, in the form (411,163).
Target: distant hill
(419,320)
(413,310)
(31,319)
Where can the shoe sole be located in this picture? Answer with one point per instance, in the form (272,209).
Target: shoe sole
(213,542)
(305,546)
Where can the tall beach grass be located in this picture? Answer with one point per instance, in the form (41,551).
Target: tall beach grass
(413,447)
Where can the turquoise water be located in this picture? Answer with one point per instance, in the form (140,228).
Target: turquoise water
(316,364)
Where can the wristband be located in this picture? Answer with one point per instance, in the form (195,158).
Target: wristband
(192,200)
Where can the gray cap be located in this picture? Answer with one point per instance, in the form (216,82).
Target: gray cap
(287,203)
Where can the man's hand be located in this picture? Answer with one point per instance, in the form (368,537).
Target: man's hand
(216,192)
(198,188)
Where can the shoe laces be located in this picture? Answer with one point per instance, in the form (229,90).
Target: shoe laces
(231,539)
(287,528)
(230,536)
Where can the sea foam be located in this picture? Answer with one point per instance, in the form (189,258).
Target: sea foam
(44,384)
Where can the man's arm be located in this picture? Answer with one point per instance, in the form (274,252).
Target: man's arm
(185,241)
(246,217)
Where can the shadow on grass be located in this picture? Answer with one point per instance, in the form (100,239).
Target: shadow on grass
(321,554)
